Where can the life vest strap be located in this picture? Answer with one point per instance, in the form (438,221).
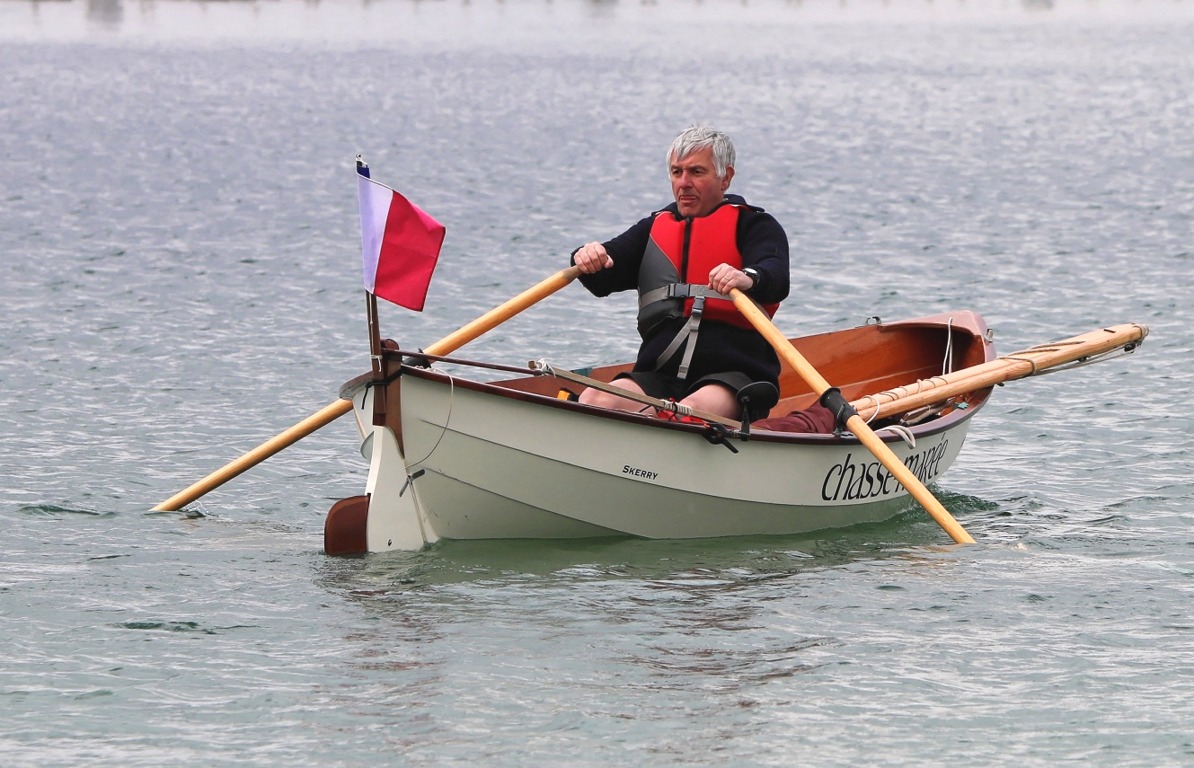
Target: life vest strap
(679,291)
(687,335)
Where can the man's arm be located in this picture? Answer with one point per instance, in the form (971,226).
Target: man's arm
(626,253)
(764,247)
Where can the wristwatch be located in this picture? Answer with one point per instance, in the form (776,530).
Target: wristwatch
(753,274)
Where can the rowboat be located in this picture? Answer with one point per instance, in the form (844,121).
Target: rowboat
(453,456)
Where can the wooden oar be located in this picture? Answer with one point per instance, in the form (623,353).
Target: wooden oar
(338,408)
(836,403)
(1018,365)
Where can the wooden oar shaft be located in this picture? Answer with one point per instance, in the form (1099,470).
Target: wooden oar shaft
(333,411)
(908,479)
(326,415)
(855,423)
(504,312)
(1017,365)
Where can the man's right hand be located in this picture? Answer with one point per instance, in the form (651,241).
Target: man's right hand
(591,257)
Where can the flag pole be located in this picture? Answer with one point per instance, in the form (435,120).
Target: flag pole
(374,325)
(379,392)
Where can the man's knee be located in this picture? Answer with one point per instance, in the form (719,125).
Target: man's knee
(713,398)
(593,397)
(604,399)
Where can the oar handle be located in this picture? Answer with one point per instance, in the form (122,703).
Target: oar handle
(326,415)
(855,423)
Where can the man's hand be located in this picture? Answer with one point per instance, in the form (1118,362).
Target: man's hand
(592,258)
(723,278)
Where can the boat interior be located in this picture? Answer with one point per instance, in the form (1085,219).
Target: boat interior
(859,361)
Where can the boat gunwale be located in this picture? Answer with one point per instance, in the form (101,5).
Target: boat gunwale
(941,424)
(959,321)
(964,321)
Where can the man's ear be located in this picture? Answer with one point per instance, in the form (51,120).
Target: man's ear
(725,180)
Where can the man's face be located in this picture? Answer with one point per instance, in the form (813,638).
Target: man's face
(695,184)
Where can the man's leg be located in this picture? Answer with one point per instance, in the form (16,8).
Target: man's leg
(603,399)
(717,399)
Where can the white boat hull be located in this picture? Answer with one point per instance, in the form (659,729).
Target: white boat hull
(493,467)
(454,458)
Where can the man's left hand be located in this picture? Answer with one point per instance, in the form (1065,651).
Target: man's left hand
(723,278)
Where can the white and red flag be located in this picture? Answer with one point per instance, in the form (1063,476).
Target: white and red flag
(400,244)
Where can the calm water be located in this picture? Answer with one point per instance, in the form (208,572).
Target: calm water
(179,280)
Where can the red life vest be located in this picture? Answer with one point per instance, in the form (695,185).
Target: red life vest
(680,254)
